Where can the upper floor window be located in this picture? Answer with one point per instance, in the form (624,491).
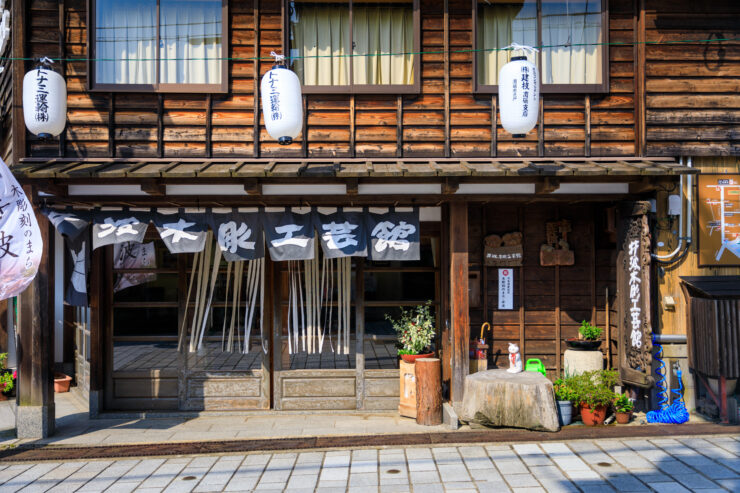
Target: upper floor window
(158,45)
(572,35)
(355,47)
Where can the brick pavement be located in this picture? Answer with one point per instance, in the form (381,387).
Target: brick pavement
(704,464)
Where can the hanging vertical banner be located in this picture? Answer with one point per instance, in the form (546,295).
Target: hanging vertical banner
(505,289)
(77,269)
(182,231)
(20,238)
(111,227)
(342,233)
(289,235)
(132,255)
(239,234)
(74,226)
(394,235)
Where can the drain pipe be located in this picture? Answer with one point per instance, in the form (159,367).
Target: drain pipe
(675,255)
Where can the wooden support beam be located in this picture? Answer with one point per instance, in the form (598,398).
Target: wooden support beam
(153,187)
(352,186)
(50,187)
(252,186)
(450,186)
(98,312)
(546,185)
(639,77)
(35,416)
(460,313)
(446,42)
(18,37)
(645,185)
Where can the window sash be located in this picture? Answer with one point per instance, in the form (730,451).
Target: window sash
(553,88)
(161,87)
(351,87)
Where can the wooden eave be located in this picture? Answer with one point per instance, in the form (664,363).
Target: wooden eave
(416,168)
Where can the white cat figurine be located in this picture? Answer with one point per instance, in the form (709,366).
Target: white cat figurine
(515,359)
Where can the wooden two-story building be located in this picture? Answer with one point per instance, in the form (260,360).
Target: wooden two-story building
(400,110)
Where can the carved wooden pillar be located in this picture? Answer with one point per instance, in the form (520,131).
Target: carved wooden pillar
(633,295)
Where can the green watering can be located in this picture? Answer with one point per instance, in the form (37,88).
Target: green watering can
(534,364)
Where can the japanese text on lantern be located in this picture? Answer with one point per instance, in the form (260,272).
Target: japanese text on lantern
(525,90)
(274,98)
(635,293)
(42,103)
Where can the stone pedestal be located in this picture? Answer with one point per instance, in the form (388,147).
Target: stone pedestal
(577,362)
(34,422)
(516,400)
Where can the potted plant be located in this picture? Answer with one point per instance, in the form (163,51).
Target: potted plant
(589,338)
(7,378)
(565,396)
(623,407)
(7,382)
(415,329)
(594,391)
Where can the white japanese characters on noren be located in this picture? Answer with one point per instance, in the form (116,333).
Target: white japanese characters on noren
(392,235)
(635,285)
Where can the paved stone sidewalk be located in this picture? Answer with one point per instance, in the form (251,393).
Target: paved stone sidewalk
(74,427)
(673,465)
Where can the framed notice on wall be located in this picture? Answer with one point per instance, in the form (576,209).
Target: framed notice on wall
(718,225)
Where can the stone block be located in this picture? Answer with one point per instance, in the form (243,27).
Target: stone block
(516,400)
(34,421)
(449,416)
(577,362)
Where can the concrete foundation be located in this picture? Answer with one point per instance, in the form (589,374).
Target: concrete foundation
(34,422)
(577,362)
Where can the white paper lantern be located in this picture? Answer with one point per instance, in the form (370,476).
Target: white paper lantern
(44,102)
(282,104)
(519,96)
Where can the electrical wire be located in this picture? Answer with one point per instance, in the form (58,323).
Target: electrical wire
(676,412)
(347,55)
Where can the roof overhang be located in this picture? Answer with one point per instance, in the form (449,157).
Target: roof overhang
(181,181)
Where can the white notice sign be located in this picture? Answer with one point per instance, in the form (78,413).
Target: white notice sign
(506,289)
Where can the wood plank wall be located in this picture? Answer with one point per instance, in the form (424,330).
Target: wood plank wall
(689,97)
(674,321)
(693,89)
(180,125)
(547,300)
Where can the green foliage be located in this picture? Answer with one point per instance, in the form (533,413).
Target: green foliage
(590,332)
(415,329)
(563,391)
(6,381)
(622,404)
(3,359)
(594,388)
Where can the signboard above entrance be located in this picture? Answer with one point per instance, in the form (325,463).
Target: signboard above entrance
(719,220)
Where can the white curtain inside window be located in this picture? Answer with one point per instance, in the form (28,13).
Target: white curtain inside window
(190,42)
(320,34)
(499,25)
(564,22)
(125,38)
(571,23)
(380,30)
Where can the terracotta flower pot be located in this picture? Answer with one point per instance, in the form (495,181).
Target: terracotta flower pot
(410,358)
(62,382)
(624,418)
(592,417)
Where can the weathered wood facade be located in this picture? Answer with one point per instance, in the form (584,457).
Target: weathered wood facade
(588,153)
(663,99)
